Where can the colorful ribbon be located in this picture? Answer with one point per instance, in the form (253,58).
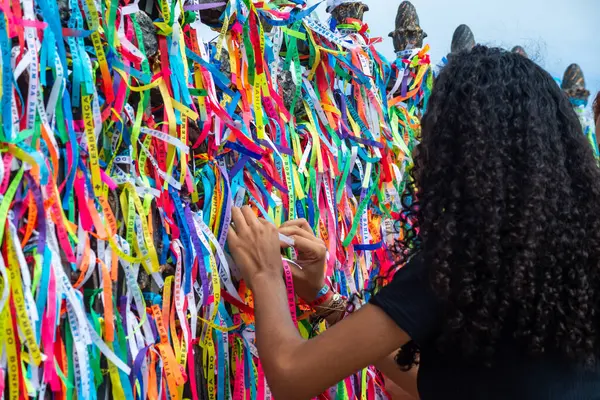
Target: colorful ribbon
(125,144)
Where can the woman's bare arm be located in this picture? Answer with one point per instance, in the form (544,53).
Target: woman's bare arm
(407,381)
(299,369)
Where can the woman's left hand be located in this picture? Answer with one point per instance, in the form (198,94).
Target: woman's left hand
(254,246)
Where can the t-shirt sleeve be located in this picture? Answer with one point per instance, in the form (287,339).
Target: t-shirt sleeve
(411,302)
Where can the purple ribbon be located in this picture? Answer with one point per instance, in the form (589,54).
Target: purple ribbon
(39,202)
(137,368)
(405,83)
(282,149)
(228,205)
(200,7)
(269,178)
(239,165)
(366,142)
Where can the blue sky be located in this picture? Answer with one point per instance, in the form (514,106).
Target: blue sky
(555,33)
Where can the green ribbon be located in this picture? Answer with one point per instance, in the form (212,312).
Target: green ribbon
(359,212)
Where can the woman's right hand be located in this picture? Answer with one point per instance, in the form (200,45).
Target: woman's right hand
(312,255)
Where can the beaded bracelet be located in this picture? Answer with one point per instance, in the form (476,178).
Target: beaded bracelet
(337,304)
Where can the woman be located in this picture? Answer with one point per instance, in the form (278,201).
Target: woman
(500,296)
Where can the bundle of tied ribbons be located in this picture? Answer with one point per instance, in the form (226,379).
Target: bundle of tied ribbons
(126,140)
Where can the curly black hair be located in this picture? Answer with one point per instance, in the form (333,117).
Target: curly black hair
(508,212)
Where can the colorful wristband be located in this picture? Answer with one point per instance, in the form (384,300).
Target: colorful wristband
(319,301)
(324,290)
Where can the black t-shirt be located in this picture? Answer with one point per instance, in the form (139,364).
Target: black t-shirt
(411,302)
